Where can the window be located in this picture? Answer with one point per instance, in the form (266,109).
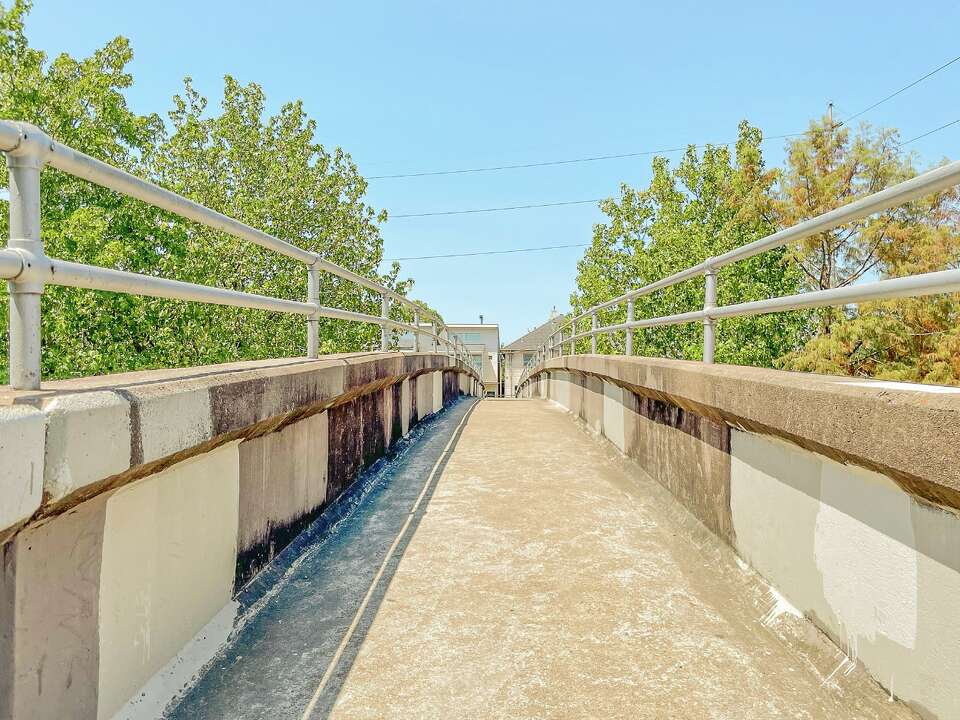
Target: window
(528,357)
(470,338)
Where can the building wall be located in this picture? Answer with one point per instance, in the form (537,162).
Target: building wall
(513,366)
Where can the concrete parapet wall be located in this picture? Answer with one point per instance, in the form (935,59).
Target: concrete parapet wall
(843,493)
(135,506)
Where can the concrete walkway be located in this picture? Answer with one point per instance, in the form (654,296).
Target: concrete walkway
(509,565)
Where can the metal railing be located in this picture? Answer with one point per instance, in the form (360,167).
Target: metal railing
(28,269)
(944,281)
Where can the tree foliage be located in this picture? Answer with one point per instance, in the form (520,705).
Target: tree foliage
(909,339)
(709,204)
(829,167)
(268,172)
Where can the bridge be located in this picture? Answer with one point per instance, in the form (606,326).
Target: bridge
(361,535)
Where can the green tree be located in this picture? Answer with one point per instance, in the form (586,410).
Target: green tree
(709,204)
(909,339)
(829,167)
(270,173)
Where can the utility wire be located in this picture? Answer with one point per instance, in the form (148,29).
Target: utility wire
(905,87)
(497,209)
(548,163)
(638,154)
(930,132)
(642,153)
(487,252)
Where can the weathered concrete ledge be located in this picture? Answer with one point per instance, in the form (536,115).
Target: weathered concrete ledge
(843,493)
(77,438)
(908,432)
(135,506)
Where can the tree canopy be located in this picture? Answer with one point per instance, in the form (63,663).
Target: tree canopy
(711,202)
(267,171)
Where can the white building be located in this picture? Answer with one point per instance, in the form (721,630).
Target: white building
(482,341)
(523,350)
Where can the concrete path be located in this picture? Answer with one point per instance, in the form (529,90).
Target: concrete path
(509,565)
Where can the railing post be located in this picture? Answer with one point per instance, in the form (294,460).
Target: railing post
(709,302)
(384,332)
(416,332)
(24,351)
(629,350)
(593,335)
(573,335)
(313,321)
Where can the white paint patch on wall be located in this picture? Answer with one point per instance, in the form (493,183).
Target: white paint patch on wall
(158,692)
(424,395)
(613,415)
(560,388)
(437,391)
(405,406)
(869,565)
(169,554)
(875,569)
(173,422)
(21,463)
(88,439)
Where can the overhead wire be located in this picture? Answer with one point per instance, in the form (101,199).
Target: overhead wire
(488,252)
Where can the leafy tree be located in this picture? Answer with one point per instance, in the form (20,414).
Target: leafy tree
(707,205)
(268,172)
(910,339)
(826,168)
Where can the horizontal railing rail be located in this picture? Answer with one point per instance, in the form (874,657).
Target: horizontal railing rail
(945,281)
(27,269)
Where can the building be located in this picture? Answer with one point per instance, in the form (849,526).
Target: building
(482,342)
(522,351)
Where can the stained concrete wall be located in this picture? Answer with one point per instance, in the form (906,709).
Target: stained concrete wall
(798,474)
(165,492)
(877,570)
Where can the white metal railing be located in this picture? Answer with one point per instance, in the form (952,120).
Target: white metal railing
(932,283)
(28,269)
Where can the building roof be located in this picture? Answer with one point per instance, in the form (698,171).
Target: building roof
(538,336)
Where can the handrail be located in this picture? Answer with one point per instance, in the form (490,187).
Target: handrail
(935,180)
(28,269)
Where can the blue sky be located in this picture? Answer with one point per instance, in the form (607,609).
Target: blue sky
(417,86)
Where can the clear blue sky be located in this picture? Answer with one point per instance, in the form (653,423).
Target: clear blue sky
(440,85)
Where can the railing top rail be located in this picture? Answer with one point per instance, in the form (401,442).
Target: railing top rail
(27,267)
(935,180)
(14,135)
(946,281)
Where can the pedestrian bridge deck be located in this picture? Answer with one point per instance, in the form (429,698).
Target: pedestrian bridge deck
(509,564)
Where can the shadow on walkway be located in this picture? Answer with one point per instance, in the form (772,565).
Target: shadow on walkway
(303,620)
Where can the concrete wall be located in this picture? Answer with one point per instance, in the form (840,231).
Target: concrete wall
(841,493)
(145,501)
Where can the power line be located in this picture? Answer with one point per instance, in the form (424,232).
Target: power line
(905,87)
(487,252)
(930,132)
(643,153)
(497,209)
(548,163)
